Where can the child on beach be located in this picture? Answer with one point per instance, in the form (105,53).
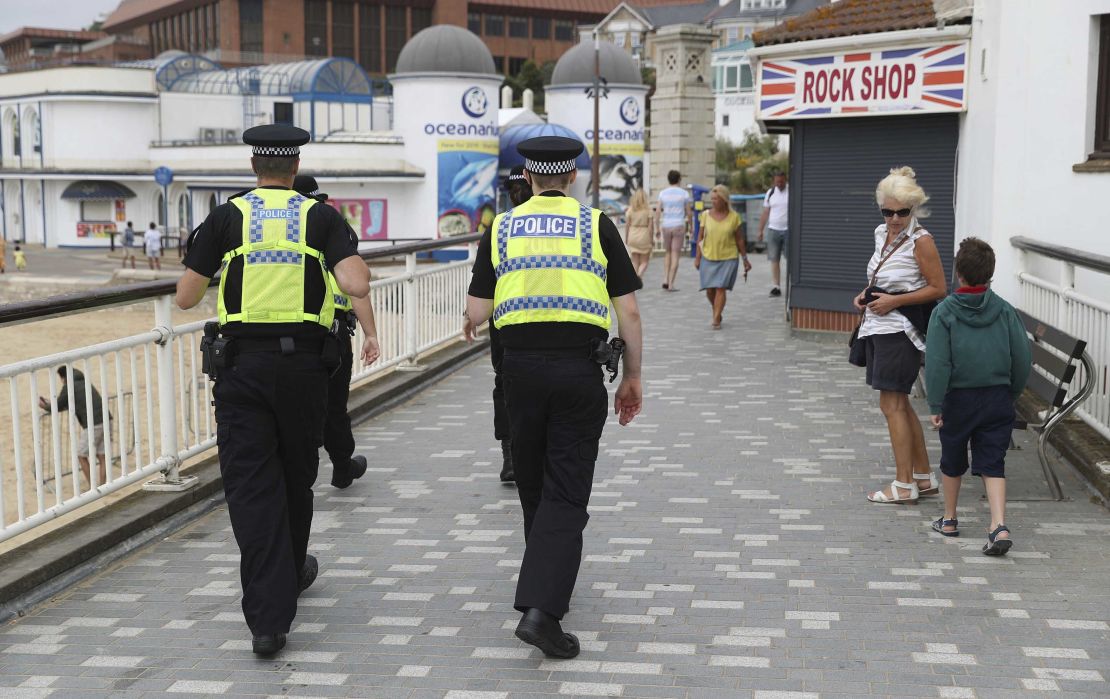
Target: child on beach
(977,361)
(20,259)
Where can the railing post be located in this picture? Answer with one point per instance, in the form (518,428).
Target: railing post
(171,479)
(1067,285)
(411,302)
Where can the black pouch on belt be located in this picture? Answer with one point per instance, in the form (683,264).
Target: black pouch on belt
(330,353)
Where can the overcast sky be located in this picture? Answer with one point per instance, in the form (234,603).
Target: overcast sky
(60,14)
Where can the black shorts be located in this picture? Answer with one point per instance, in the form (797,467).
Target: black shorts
(893,362)
(982,418)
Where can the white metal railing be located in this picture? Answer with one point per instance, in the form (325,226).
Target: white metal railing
(1086,318)
(159,402)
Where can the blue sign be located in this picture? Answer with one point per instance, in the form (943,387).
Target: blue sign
(630,111)
(475,103)
(163,176)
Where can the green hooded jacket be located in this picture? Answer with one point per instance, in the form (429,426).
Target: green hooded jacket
(974,341)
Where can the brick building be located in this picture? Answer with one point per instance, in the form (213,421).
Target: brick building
(31,47)
(371,32)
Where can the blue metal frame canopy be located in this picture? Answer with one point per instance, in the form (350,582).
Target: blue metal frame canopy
(510,137)
(94,190)
(171,66)
(323,80)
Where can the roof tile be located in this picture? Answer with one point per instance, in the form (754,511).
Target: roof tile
(850,17)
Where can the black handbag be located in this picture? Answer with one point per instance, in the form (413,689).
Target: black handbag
(857,350)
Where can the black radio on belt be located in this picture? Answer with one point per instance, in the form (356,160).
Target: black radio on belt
(608,355)
(215,350)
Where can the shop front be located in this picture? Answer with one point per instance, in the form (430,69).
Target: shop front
(854,108)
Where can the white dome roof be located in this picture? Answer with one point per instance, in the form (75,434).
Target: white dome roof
(445,48)
(577,65)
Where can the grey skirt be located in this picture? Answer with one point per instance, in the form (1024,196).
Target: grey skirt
(718,274)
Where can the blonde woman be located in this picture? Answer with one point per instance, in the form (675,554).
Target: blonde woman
(905,280)
(721,246)
(639,231)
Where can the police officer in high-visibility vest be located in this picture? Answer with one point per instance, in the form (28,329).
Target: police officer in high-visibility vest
(271,356)
(546,275)
(339,442)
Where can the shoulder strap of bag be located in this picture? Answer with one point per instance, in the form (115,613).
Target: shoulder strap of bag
(901,241)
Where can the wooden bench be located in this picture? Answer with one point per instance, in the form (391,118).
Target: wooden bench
(1056,359)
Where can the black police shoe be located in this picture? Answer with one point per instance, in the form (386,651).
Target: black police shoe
(268,644)
(507,475)
(543,631)
(356,469)
(308,574)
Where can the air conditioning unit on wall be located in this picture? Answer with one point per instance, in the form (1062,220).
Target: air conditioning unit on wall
(231,136)
(209,135)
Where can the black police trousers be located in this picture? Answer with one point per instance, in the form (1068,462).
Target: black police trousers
(270,410)
(557,407)
(500,412)
(338,440)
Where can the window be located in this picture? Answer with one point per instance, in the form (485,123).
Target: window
(515,64)
(1102,110)
(370,37)
(564,30)
(250,26)
(746,80)
(718,83)
(636,39)
(732,35)
(730,78)
(161,204)
(183,221)
(618,39)
(541,28)
(343,30)
(518,27)
(96,210)
(724,120)
(215,15)
(495,25)
(396,33)
(421,18)
(316,27)
(283,113)
(474,22)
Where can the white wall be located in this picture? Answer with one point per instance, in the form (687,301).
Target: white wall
(81,134)
(184,114)
(1029,121)
(740,109)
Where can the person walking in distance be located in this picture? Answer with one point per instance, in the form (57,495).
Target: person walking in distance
(129,245)
(80,411)
(271,355)
(339,442)
(519,192)
(546,274)
(152,241)
(673,217)
(774,226)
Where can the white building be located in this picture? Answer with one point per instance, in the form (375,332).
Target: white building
(79,145)
(734,91)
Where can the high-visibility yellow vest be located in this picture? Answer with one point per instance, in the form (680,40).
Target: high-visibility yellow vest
(341,301)
(549,264)
(275,256)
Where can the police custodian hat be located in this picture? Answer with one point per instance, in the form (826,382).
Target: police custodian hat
(306,185)
(516,174)
(276,140)
(550,155)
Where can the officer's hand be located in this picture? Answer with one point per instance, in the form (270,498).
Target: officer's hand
(370,350)
(629,400)
(469,331)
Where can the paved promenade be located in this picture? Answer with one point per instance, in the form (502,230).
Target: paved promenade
(730,553)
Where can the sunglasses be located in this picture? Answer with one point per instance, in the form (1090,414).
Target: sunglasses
(889,213)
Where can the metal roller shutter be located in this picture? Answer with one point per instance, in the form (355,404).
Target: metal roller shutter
(835,165)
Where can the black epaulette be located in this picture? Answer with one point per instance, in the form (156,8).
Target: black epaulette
(239,194)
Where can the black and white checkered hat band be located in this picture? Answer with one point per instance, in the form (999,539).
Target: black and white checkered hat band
(315,192)
(516,178)
(557,168)
(277,151)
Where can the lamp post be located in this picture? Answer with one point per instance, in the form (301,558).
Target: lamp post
(595,169)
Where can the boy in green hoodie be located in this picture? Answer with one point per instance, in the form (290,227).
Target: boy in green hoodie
(977,361)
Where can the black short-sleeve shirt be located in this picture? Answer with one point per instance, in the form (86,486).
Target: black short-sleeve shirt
(620,279)
(222,232)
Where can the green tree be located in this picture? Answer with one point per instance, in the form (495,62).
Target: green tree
(747,167)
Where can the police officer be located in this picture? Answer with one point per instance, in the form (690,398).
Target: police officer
(546,274)
(338,440)
(519,192)
(276,347)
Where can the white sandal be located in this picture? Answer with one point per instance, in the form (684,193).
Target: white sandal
(882,498)
(934,485)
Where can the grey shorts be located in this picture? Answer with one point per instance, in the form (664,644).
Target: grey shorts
(98,440)
(776,241)
(673,238)
(893,362)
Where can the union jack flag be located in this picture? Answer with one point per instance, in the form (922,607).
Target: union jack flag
(925,78)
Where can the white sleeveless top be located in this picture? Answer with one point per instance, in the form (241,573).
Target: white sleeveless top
(899,273)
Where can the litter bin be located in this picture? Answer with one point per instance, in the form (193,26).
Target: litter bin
(750,208)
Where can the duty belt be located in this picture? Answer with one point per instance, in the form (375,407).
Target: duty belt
(284,345)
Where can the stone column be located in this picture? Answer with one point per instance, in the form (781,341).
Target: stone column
(682,109)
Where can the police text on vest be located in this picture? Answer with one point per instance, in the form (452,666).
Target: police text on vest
(543,226)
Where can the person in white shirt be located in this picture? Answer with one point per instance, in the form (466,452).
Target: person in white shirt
(673,217)
(152,241)
(775,221)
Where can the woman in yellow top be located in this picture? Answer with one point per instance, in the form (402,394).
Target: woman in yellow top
(639,231)
(720,245)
